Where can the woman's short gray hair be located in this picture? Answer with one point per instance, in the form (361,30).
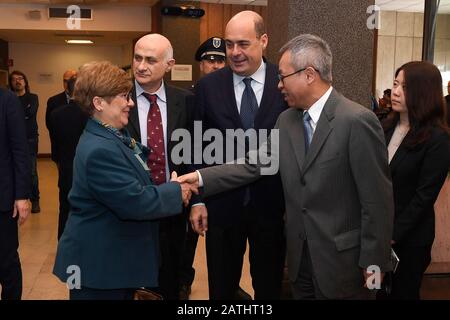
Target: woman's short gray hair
(308,50)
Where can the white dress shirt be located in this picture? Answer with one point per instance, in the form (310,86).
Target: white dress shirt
(259,78)
(316,109)
(143,106)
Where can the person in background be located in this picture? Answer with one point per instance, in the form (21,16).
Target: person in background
(55,102)
(211,55)
(15,188)
(385,102)
(111,234)
(419,160)
(30,103)
(68,123)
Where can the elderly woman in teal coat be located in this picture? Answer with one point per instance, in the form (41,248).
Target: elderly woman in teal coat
(110,243)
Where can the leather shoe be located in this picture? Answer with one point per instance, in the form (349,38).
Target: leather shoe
(242,295)
(35,208)
(185,292)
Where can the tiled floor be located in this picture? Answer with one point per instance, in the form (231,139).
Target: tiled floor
(38,246)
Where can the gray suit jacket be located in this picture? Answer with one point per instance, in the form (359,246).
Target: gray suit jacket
(338,197)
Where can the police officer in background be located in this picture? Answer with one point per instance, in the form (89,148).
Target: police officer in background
(211,55)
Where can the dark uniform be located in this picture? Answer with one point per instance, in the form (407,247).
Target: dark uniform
(211,49)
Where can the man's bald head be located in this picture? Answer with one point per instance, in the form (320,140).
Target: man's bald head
(69,74)
(153,57)
(156,40)
(248,16)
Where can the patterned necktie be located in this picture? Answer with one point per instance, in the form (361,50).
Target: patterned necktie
(156,161)
(308,130)
(249,105)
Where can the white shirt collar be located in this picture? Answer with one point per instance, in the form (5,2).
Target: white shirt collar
(316,109)
(161,92)
(258,76)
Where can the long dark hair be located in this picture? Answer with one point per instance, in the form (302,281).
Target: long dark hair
(424,100)
(19,73)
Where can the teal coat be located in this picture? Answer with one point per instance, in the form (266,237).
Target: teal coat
(112,230)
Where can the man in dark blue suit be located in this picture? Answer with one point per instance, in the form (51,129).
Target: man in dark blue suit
(15,191)
(55,102)
(67,123)
(30,103)
(243,95)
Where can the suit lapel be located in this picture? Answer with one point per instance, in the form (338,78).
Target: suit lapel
(296,133)
(174,109)
(401,152)
(232,105)
(134,117)
(323,129)
(268,93)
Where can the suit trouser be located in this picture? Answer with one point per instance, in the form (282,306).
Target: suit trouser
(10,269)
(407,279)
(171,238)
(225,249)
(187,272)
(306,287)
(64,184)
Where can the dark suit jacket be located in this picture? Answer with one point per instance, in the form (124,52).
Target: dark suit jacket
(338,196)
(54,103)
(68,123)
(417,177)
(447,100)
(15,171)
(111,233)
(30,104)
(216,108)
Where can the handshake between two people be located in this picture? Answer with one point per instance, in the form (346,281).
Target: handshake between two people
(199,215)
(189,184)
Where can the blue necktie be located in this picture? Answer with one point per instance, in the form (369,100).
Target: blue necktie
(308,130)
(249,105)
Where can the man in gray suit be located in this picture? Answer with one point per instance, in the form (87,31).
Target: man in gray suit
(335,175)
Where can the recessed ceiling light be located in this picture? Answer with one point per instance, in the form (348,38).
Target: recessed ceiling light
(79,41)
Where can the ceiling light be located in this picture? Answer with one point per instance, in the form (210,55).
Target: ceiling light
(79,41)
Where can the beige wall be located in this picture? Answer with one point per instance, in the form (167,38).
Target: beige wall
(105,18)
(399,41)
(44,66)
(442,48)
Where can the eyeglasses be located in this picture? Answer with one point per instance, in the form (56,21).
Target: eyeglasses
(126,96)
(18,79)
(281,77)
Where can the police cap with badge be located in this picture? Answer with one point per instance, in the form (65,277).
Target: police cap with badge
(211,49)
